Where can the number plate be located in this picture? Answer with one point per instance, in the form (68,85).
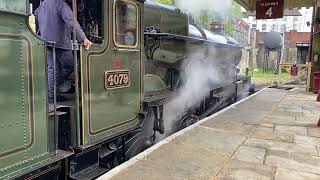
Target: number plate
(269,9)
(117,79)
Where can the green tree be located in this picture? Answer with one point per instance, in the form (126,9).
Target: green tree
(229,21)
(203,19)
(236,9)
(168,2)
(207,16)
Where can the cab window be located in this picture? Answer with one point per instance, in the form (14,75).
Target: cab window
(126,24)
(91,19)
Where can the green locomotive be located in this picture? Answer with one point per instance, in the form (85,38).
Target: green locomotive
(122,85)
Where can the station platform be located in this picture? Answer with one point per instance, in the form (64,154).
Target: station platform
(271,135)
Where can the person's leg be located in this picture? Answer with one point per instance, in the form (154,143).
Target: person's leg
(51,76)
(66,62)
(67,65)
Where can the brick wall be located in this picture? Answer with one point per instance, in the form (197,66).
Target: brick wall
(294,37)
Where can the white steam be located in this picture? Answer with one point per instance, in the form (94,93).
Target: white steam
(199,77)
(195,6)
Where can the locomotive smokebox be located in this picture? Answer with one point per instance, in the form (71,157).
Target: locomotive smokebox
(273,40)
(217,27)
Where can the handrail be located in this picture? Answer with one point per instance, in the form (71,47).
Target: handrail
(56,130)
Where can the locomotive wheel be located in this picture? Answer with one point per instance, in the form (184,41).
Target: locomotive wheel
(187,120)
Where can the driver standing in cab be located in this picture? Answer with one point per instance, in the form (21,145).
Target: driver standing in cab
(55,20)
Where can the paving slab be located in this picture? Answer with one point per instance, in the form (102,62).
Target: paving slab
(282,146)
(311,114)
(263,101)
(291,109)
(306,140)
(268,125)
(314,132)
(309,164)
(299,130)
(257,104)
(227,126)
(238,170)
(289,102)
(313,106)
(307,121)
(243,115)
(217,141)
(286,174)
(290,121)
(270,134)
(250,155)
(281,117)
(287,113)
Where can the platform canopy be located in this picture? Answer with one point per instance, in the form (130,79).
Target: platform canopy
(288,4)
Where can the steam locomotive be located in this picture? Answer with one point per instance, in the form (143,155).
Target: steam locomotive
(144,56)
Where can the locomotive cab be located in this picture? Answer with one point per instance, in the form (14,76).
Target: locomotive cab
(111,74)
(104,98)
(106,94)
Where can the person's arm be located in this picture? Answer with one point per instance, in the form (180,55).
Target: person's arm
(67,16)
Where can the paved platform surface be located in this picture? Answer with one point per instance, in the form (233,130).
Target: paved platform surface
(270,136)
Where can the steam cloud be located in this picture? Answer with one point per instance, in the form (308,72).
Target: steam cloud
(199,77)
(199,74)
(195,6)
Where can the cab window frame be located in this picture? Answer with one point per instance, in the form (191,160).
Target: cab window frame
(137,34)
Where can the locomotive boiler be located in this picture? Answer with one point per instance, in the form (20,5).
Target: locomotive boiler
(144,56)
(181,55)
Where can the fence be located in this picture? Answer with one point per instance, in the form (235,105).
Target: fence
(301,80)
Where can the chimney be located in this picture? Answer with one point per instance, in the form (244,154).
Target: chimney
(217,27)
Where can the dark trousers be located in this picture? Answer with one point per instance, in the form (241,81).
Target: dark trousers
(64,68)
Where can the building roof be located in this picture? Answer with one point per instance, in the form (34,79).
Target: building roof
(287,12)
(288,4)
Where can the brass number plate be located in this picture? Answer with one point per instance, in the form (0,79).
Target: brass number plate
(117,79)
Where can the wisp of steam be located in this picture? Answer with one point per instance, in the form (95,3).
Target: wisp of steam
(199,77)
(195,6)
(199,74)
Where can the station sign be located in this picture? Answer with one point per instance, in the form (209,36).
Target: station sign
(269,9)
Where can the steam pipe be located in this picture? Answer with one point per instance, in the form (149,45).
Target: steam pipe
(54,58)
(55,99)
(168,35)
